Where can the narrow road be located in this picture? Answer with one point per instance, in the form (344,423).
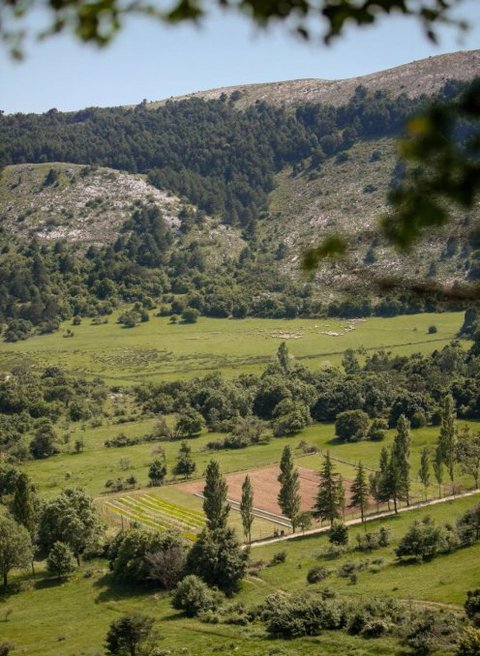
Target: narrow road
(369,518)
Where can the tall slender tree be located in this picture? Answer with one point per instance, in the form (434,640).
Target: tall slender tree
(401,456)
(24,504)
(289,498)
(469,454)
(330,501)
(246,508)
(215,503)
(424,471)
(438,470)
(359,492)
(447,439)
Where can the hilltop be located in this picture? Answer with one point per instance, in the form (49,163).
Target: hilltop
(426,76)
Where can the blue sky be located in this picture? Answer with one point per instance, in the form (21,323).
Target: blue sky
(151,61)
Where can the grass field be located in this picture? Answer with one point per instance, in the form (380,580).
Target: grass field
(71,617)
(157,350)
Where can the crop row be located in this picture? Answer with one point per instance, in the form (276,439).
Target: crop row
(153,512)
(141,505)
(171,512)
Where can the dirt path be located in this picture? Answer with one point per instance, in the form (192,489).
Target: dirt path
(370,518)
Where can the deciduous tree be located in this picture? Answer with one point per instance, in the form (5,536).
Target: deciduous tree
(15,546)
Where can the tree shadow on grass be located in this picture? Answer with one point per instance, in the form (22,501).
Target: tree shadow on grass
(112,590)
(50,582)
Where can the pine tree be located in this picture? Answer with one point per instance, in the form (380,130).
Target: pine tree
(185,466)
(215,503)
(424,471)
(359,492)
(447,440)
(330,500)
(289,498)
(246,508)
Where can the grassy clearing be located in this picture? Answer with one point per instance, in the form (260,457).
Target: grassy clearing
(157,350)
(58,623)
(96,464)
(443,580)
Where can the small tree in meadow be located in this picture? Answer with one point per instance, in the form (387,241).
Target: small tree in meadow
(61,560)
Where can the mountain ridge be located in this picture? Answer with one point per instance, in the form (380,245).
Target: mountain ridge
(433,71)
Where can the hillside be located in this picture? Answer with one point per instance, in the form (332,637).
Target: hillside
(209,202)
(78,204)
(419,77)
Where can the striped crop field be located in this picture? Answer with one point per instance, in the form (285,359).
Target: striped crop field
(153,512)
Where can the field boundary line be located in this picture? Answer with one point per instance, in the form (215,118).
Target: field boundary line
(369,518)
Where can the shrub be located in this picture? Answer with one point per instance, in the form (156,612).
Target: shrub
(338,534)
(422,541)
(278,558)
(304,616)
(193,596)
(351,425)
(469,643)
(317,574)
(375,628)
(432,330)
(472,606)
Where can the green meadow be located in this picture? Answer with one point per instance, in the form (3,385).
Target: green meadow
(157,350)
(71,617)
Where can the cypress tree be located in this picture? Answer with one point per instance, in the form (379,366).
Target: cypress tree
(215,503)
(438,470)
(23,504)
(424,471)
(401,456)
(289,498)
(246,508)
(447,439)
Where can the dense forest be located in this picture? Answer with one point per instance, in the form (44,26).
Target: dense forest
(223,160)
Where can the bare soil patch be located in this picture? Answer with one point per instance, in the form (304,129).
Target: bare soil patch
(266,487)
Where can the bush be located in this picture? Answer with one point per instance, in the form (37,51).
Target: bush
(424,540)
(317,574)
(278,558)
(469,643)
(304,616)
(193,596)
(338,534)
(375,628)
(432,330)
(351,425)
(377,429)
(472,606)
(190,315)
